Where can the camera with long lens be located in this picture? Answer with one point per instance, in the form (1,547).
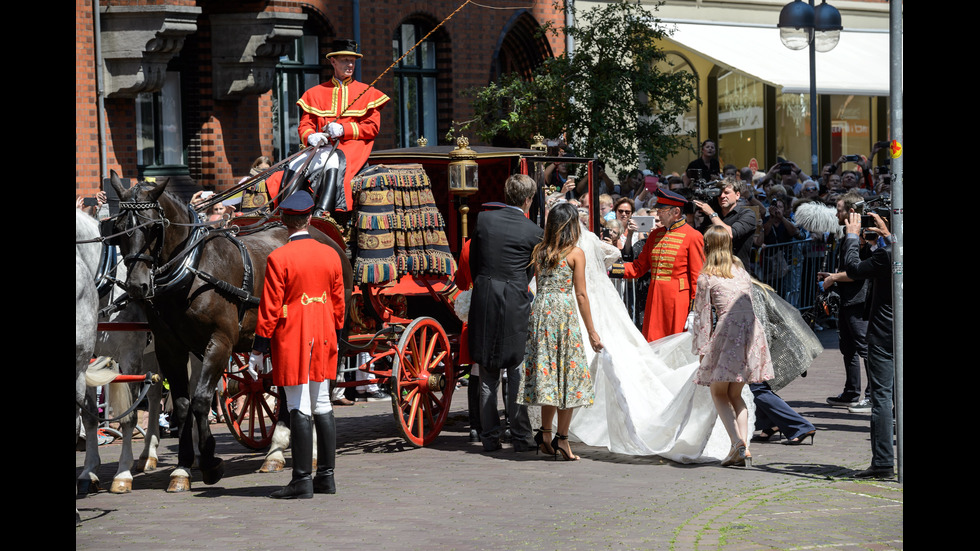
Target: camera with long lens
(880,205)
(705,191)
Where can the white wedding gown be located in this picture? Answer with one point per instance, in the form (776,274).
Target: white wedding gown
(646,401)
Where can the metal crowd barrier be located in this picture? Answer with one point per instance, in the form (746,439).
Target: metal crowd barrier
(791,268)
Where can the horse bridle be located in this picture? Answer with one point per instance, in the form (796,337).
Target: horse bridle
(131,210)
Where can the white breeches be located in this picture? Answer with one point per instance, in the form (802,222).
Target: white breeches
(321,159)
(311,399)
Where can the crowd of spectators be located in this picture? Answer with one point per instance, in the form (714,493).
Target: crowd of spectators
(771,243)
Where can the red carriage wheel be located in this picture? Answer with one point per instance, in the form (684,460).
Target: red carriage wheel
(248,406)
(422,385)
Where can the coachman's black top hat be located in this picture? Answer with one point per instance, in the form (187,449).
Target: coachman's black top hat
(343,46)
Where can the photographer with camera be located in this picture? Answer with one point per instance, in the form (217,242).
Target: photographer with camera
(705,167)
(739,221)
(852,325)
(881,361)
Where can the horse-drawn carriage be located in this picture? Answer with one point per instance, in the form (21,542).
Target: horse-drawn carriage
(198,285)
(405,327)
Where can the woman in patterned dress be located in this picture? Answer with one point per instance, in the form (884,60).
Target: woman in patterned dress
(734,352)
(556,373)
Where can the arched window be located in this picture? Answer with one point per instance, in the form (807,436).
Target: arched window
(416,83)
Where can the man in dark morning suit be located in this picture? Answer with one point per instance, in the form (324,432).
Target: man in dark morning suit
(500,263)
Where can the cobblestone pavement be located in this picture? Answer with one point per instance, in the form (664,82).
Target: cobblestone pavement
(451,495)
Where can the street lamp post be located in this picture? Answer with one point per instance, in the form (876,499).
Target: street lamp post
(802,25)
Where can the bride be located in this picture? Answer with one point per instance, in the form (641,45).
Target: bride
(646,401)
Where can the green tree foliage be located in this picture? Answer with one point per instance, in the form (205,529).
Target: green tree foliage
(610,99)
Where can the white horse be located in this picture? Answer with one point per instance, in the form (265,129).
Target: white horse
(133,356)
(86,309)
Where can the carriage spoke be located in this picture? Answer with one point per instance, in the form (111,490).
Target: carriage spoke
(413,410)
(262,425)
(411,358)
(421,420)
(428,411)
(406,400)
(435,361)
(437,401)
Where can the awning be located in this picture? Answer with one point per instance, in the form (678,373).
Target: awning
(858,65)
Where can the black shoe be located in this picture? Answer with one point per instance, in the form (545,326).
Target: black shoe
(301,434)
(491,447)
(520,446)
(766,435)
(474,436)
(540,440)
(801,438)
(326,447)
(843,400)
(376,396)
(296,489)
(875,472)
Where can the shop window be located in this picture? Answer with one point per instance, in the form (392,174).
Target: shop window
(741,119)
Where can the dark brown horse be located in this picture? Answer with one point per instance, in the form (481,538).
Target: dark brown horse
(193,283)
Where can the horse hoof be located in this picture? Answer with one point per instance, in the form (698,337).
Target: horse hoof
(272,466)
(121,486)
(213,474)
(179,484)
(86,487)
(146,465)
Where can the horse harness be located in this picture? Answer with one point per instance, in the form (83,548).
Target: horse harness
(185,263)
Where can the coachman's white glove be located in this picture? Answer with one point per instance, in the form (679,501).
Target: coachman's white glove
(336,130)
(256,363)
(317,138)
(689,324)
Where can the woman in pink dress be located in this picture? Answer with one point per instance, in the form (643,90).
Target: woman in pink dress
(733,352)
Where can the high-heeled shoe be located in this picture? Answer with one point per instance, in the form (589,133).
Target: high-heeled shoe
(766,435)
(566,455)
(744,458)
(801,438)
(732,456)
(540,441)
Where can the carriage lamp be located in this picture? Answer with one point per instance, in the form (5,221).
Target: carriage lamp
(464,177)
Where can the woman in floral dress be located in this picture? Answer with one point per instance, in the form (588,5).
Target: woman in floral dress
(734,352)
(556,373)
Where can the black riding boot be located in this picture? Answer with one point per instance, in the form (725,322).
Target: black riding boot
(301,433)
(326,446)
(327,197)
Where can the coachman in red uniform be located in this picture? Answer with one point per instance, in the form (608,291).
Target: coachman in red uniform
(341,110)
(673,255)
(301,315)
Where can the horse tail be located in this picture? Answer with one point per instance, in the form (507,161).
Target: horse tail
(121,398)
(101,372)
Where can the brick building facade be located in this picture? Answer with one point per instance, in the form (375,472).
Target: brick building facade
(191,87)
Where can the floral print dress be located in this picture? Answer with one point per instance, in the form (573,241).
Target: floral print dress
(556,372)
